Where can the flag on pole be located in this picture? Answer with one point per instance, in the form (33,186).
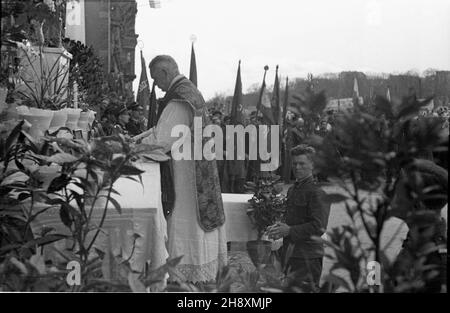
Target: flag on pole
(286,174)
(143,95)
(355,88)
(356,101)
(152,112)
(193,67)
(155,4)
(264,104)
(234,170)
(276,98)
(285,103)
(236,106)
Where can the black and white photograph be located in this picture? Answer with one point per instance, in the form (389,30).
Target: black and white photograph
(224,152)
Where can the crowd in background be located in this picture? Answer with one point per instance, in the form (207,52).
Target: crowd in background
(130,121)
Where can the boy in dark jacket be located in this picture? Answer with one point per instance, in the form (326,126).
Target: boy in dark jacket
(307,215)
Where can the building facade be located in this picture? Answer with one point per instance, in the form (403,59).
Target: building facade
(109,27)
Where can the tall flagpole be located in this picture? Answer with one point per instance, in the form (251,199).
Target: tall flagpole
(266,68)
(193,65)
(152,109)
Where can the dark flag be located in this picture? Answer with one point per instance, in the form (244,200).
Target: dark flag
(285,104)
(288,139)
(143,95)
(234,173)
(264,104)
(193,68)
(236,106)
(276,99)
(152,112)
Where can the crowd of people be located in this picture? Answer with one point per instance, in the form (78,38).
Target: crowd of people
(191,190)
(130,120)
(127,119)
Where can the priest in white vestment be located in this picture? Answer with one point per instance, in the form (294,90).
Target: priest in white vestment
(196,228)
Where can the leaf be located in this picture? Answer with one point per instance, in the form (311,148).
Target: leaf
(16,176)
(130,170)
(114,191)
(23,196)
(61,158)
(133,179)
(6,248)
(45,240)
(409,107)
(174,261)
(116,204)
(337,281)
(37,260)
(65,216)
(135,284)
(118,161)
(157,156)
(13,136)
(33,143)
(19,265)
(336,197)
(58,183)
(79,200)
(52,201)
(146,148)
(384,106)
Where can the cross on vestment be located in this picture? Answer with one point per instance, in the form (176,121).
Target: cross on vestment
(142,85)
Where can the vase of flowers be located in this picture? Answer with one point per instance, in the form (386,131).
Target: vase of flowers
(73,116)
(59,120)
(267,206)
(39,120)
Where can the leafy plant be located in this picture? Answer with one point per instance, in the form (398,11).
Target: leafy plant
(88,174)
(45,84)
(20,204)
(267,206)
(92,167)
(20,190)
(87,71)
(367,155)
(309,106)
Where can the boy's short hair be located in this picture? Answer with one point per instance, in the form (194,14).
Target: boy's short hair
(303,149)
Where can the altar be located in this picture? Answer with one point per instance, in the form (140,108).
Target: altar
(138,233)
(237,223)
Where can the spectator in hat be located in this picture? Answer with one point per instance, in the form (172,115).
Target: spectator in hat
(123,117)
(106,125)
(216,118)
(136,124)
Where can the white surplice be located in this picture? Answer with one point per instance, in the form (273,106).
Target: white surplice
(203,252)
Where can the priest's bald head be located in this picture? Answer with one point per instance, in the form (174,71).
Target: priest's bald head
(163,69)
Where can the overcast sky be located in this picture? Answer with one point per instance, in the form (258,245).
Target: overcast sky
(301,36)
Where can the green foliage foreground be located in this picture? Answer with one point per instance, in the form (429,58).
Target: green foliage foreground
(380,151)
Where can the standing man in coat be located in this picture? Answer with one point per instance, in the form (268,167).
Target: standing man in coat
(191,193)
(307,215)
